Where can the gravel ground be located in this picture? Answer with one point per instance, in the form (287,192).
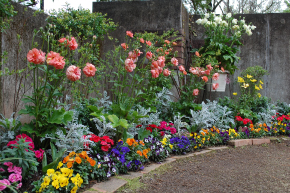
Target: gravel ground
(251,169)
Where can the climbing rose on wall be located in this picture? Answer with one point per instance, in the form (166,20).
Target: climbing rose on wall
(89,70)
(73,73)
(36,56)
(54,59)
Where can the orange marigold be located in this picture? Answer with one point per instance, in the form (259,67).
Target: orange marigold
(65,159)
(139,152)
(78,160)
(69,164)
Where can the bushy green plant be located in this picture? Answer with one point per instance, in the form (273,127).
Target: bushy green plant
(283,108)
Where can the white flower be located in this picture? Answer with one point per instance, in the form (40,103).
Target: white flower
(218,20)
(249,32)
(238,33)
(114,170)
(246,27)
(235,27)
(235,21)
(206,15)
(203,21)
(198,21)
(243,21)
(224,23)
(228,15)
(253,27)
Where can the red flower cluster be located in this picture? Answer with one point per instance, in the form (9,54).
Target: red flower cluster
(163,128)
(38,153)
(104,141)
(281,118)
(245,120)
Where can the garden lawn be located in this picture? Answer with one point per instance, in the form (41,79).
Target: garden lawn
(263,168)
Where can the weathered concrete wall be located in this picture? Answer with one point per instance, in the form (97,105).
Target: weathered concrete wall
(269,47)
(23,25)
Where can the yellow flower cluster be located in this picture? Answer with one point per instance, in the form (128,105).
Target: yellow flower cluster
(61,179)
(249,81)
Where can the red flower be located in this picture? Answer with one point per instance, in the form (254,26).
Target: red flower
(108,140)
(239,118)
(152,125)
(162,133)
(246,121)
(95,138)
(138,126)
(105,148)
(104,143)
(149,129)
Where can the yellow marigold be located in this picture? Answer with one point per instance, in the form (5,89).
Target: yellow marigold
(78,160)
(139,152)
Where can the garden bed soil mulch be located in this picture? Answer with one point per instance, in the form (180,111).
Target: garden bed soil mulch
(257,168)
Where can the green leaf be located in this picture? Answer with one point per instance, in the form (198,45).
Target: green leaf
(226,57)
(123,123)
(114,119)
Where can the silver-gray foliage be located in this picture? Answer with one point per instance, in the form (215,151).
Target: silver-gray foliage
(104,127)
(266,114)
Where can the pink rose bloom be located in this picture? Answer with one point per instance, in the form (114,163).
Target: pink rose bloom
(36,56)
(89,70)
(166,72)
(130,34)
(207,72)
(161,63)
(54,59)
(62,40)
(155,64)
(73,73)
(195,92)
(167,41)
(130,68)
(209,67)
(72,44)
(19,186)
(149,55)
(129,65)
(159,70)
(215,86)
(193,71)
(138,52)
(124,45)
(155,73)
(148,43)
(184,72)
(174,61)
(4,181)
(215,76)
(133,56)
(8,164)
(204,78)
(14,177)
(142,40)
(181,68)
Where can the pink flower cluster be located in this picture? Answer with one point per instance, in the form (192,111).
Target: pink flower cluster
(15,175)
(89,70)
(157,67)
(73,73)
(131,60)
(71,43)
(36,56)
(38,153)
(54,59)
(166,128)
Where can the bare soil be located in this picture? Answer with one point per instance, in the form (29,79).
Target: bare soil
(251,169)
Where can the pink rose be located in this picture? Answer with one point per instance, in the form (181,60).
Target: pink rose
(215,76)
(155,73)
(130,34)
(148,43)
(73,73)
(72,44)
(89,70)
(209,67)
(4,181)
(36,56)
(62,40)
(207,72)
(167,41)
(181,68)
(155,64)
(124,45)
(195,92)
(174,61)
(14,177)
(129,65)
(133,55)
(215,86)
(204,78)
(54,59)
(149,55)
(184,72)
(161,62)
(19,186)
(166,72)
(142,40)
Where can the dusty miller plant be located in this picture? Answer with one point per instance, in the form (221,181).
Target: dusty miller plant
(178,123)
(266,114)
(104,127)
(163,100)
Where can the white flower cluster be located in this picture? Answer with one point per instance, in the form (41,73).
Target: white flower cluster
(211,20)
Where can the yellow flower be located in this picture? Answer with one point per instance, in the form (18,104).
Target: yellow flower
(259,95)
(60,164)
(245,85)
(199,145)
(195,147)
(46,181)
(50,172)
(55,177)
(190,134)
(65,171)
(55,184)
(260,86)
(261,82)
(235,93)
(240,79)
(171,146)
(249,76)
(257,88)
(253,80)
(99,165)
(63,181)
(74,189)
(198,137)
